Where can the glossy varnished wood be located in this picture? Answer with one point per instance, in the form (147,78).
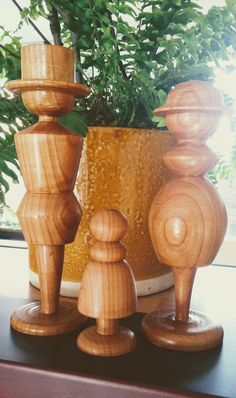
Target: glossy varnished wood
(47,79)
(199,333)
(43,154)
(187,206)
(107,290)
(49,219)
(31,319)
(49,158)
(187,218)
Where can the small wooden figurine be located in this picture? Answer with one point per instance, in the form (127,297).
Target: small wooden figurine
(49,158)
(107,290)
(187,219)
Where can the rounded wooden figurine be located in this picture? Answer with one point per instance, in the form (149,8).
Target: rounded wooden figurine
(107,290)
(187,218)
(49,158)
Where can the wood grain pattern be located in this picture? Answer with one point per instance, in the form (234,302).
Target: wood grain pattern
(47,79)
(49,219)
(194,94)
(107,290)
(190,159)
(192,110)
(187,218)
(49,158)
(107,345)
(30,319)
(53,63)
(198,334)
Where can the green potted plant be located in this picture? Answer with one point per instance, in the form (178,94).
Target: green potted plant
(12,118)
(131,54)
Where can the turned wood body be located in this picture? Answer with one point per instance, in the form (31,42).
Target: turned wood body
(49,158)
(107,290)
(187,218)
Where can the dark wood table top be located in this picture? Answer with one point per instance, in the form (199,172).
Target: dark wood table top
(53,366)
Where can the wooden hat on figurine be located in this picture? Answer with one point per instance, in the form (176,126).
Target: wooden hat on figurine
(49,157)
(187,219)
(48,72)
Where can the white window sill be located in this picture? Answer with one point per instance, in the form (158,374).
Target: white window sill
(227,252)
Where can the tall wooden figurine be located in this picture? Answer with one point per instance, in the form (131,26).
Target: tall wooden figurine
(49,158)
(187,219)
(107,290)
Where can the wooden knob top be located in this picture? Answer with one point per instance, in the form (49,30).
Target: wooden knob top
(192,110)
(192,95)
(108,225)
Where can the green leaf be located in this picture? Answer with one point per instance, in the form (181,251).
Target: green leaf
(162,57)
(4,183)
(8,156)
(74,122)
(177,2)
(162,95)
(160,121)
(231,4)
(6,170)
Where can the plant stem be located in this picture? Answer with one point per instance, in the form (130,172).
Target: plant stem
(74,36)
(32,23)
(74,39)
(55,26)
(9,52)
(113,33)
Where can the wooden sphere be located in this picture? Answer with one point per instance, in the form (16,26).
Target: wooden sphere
(108,225)
(194,93)
(192,110)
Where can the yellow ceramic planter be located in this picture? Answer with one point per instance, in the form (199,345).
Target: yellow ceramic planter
(120,168)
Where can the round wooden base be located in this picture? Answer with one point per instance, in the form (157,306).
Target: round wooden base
(93,343)
(29,319)
(199,333)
